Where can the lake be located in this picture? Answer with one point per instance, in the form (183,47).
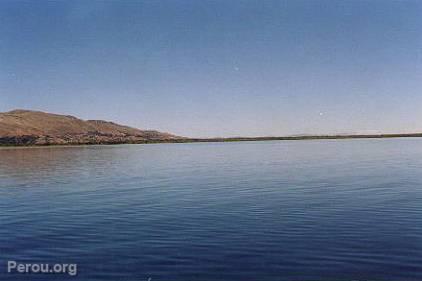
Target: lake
(276,210)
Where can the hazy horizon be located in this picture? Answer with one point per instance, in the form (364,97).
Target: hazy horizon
(218,68)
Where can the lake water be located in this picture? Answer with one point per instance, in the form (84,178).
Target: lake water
(282,210)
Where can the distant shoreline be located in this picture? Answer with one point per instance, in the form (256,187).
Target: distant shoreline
(29,128)
(311,137)
(230,139)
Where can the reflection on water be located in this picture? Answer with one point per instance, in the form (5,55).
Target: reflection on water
(298,210)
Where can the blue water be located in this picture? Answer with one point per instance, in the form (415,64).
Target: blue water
(292,210)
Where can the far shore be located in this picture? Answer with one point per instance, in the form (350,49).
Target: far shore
(231,139)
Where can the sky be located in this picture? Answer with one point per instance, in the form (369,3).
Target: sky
(218,68)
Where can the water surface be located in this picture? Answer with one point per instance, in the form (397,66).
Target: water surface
(282,210)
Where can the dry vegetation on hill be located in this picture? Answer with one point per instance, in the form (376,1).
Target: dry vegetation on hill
(25,127)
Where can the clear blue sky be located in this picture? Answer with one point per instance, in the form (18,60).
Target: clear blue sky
(218,68)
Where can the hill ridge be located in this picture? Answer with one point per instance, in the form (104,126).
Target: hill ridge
(31,127)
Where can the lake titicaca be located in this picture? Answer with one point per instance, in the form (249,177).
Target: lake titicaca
(282,210)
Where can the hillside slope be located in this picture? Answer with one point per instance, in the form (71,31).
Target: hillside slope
(26,127)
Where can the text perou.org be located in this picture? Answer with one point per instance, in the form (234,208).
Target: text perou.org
(29,268)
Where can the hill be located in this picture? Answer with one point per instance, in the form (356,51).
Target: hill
(27,127)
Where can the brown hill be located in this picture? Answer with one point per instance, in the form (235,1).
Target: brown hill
(26,127)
